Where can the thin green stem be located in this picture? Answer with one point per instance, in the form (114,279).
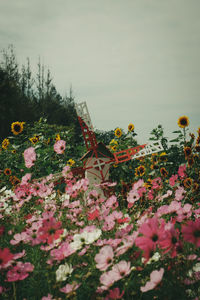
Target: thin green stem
(14,291)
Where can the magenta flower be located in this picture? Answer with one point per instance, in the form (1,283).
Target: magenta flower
(153,231)
(59,146)
(5,258)
(104,258)
(191,232)
(50,230)
(29,157)
(173,179)
(181,171)
(114,294)
(155,279)
(171,241)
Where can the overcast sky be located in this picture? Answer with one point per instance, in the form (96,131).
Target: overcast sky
(131,60)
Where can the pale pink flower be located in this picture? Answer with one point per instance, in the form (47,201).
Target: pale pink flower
(174,206)
(133,196)
(49,297)
(18,237)
(179,194)
(155,279)
(138,184)
(59,146)
(122,269)
(19,255)
(112,202)
(29,157)
(104,258)
(108,278)
(70,288)
(26,178)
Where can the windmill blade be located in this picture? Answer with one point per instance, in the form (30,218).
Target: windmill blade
(83,113)
(149,149)
(86,125)
(127,154)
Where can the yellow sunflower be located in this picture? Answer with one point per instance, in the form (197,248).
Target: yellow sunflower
(187,182)
(131,127)
(139,171)
(5,143)
(113,142)
(163,156)
(70,162)
(17,127)
(57,137)
(187,151)
(197,148)
(7,171)
(14,180)
(163,172)
(114,148)
(118,132)
(183,122)
(34,139)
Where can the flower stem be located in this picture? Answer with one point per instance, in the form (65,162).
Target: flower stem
(14,291)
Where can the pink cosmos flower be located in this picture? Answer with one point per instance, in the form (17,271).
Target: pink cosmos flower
(133,196)
(122,269)
(70,288)
(93,215)
(104,258)
(191,232)
(29,157)
(181,171)
(153,233)
(63,251)
(112,202)
(108,278)
(173,179)
(59,146)
(50,230)
(155,279)
(138,184)
(18,237)
(114,294)
(170,243)
(150,195)
(20,271)
(179,194)
(49,297)
(156,183)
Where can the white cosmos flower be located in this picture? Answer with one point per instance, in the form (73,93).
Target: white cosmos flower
(85,237)
(63,272)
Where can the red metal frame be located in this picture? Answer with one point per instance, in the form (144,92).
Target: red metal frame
(91,144)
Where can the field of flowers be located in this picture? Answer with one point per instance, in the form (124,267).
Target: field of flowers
(60,239)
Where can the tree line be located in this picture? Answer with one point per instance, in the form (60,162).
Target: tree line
(27,98)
